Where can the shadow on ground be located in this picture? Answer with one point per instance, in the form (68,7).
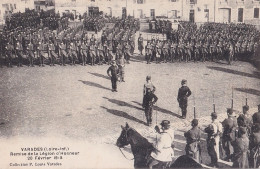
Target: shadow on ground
(235,72)
(249,91)
(122,103)
(99,75)
(123,114)
(93,84)
(156,108)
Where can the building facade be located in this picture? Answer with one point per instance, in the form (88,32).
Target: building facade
(225,11)
(7,7)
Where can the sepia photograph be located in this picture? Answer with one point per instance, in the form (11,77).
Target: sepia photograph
(122,84)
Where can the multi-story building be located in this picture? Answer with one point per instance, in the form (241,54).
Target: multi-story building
(7,7)
(44,5)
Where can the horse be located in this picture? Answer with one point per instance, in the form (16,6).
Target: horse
(142,149)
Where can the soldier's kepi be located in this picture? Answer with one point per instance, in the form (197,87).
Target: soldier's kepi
(183,94)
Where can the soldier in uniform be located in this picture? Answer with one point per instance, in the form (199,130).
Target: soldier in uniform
(121,66)
(163,152)
(73,52)
(9,53)
(84,52)
(254,147)
(31,55)
(231,52)
(183,94)
(241,145)
(92,53)
(140,44)
(148,52)
(52,53)
(41,50)
(192,136)
(229,134)
(63,53)
(149,100)
(245,119)
(112,72)
(213,130)
(256,116)
(19,53)
(100,53)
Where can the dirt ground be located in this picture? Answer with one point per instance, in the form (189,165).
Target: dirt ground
(75,105)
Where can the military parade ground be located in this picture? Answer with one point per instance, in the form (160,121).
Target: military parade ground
(63,91)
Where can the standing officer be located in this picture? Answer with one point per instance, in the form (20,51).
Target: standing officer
(256,116)
(149,100)
(19,50)
(140,44)
(84,52)
(254,146)
(245,119)
(63,53)
(229,133)
(30,49)
(52,53)
(121,66)
(241,145)
(183,94)
(41,49)
(73,52)
(112,72)
(9,53)
(193,148)
(213,131)
(148,85)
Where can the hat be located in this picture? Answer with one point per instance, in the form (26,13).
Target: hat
(165,124)
(148,77)
(183,81)
(230,111)
(246,107)
(214,114)
(195,122)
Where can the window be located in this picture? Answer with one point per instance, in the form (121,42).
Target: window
(193,1)
(152,13)
(240,15)
(14,6)
(256,13)
(92,0)
(73,0)
(140,1)
(173,0)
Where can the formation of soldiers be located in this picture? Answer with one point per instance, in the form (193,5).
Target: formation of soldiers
(30,45)
(236,139)
(33,19)
(209,42)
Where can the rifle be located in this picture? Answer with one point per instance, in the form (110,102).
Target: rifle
(194,107)
(232,101)
(214,107)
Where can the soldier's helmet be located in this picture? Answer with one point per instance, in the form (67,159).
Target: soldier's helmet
(166,124)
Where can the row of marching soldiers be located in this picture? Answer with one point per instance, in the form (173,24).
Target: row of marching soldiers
(236,139)
(74,45)
(210,41)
